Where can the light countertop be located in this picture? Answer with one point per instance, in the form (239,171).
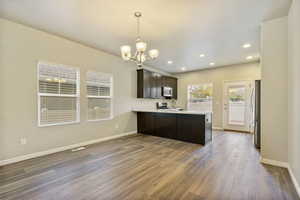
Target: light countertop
(173,111)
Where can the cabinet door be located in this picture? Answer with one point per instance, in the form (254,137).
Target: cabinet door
(165,81)
(191,128)
(173,83)
(146,123)
(147,84)
(143,83)
(156,82)
(158,86)
(166,125)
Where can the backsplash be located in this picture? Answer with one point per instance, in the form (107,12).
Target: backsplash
(151,103)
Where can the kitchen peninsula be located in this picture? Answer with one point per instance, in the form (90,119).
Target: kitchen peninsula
(188,126)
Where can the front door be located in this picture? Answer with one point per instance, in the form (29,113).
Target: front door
(238,112)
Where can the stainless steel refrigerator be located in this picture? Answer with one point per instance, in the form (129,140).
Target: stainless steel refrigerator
(257,116)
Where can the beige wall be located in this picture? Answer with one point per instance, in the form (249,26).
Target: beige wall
(217,76)
(294,89)
(274,90)
(20,49)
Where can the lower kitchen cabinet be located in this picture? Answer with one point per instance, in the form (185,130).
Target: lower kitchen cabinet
(184,127)
(191,128)
(146,123)
(165,125)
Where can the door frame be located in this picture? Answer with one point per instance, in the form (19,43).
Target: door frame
(252,84)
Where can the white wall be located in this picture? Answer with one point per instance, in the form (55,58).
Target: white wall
(294,89)
(249,71)
(274,90)
(21,48)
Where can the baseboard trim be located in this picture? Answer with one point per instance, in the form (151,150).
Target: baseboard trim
(236,131)
(274,162)
(296,184)
(284,165)
(59,149)
(217,128)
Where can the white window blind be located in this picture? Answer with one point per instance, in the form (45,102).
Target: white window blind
(99,94)
(58,94)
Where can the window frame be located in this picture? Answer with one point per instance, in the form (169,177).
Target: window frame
(76,96)
(199,84)
(111,97)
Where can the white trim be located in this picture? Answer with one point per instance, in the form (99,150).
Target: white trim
(39,95)
(274,162)
(64,148)
(57,95)
(99,97)
(246,127)
(98,120)
(200,84)
(111,97)
(284,165)
(218,128)
(59,124)
(296,184)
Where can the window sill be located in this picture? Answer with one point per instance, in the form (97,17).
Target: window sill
(59,124)
(98,120)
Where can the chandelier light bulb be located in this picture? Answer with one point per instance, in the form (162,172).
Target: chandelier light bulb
(126,52)
(141,46)
(153,53)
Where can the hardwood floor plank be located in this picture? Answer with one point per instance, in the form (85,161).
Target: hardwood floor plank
(150,168)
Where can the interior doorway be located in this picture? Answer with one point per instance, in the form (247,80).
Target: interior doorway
(238,106)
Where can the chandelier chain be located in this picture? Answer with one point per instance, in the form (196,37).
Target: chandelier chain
(138,27)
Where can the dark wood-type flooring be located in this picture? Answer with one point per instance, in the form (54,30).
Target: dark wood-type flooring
(147,167)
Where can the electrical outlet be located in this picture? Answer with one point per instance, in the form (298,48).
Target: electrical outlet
(117,126)
(23,141)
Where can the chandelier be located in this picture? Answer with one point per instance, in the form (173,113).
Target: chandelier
(140,55)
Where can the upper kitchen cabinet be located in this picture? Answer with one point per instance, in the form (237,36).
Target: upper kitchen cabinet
(171,82)
(150,85)
(144,84)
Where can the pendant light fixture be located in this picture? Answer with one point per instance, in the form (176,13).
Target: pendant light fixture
(140,55)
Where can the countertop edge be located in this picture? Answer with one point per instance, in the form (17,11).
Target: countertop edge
(172,112)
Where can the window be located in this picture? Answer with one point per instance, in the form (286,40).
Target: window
(58,94)
(200,97)
(99,94)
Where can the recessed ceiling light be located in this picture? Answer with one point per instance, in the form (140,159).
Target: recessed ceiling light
(212,64)
(249,57)
(170,62)
(247,45)
(202,55)
(183,68)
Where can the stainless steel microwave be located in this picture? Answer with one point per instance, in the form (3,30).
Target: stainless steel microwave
(167,91)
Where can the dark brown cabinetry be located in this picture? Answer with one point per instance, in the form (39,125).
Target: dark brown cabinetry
(165,125)
(144,81)
(149,84)
(184,127)
(168,81)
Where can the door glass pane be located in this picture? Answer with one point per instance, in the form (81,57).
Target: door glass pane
(237,105)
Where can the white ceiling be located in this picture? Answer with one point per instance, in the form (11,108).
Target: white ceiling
(180,29)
